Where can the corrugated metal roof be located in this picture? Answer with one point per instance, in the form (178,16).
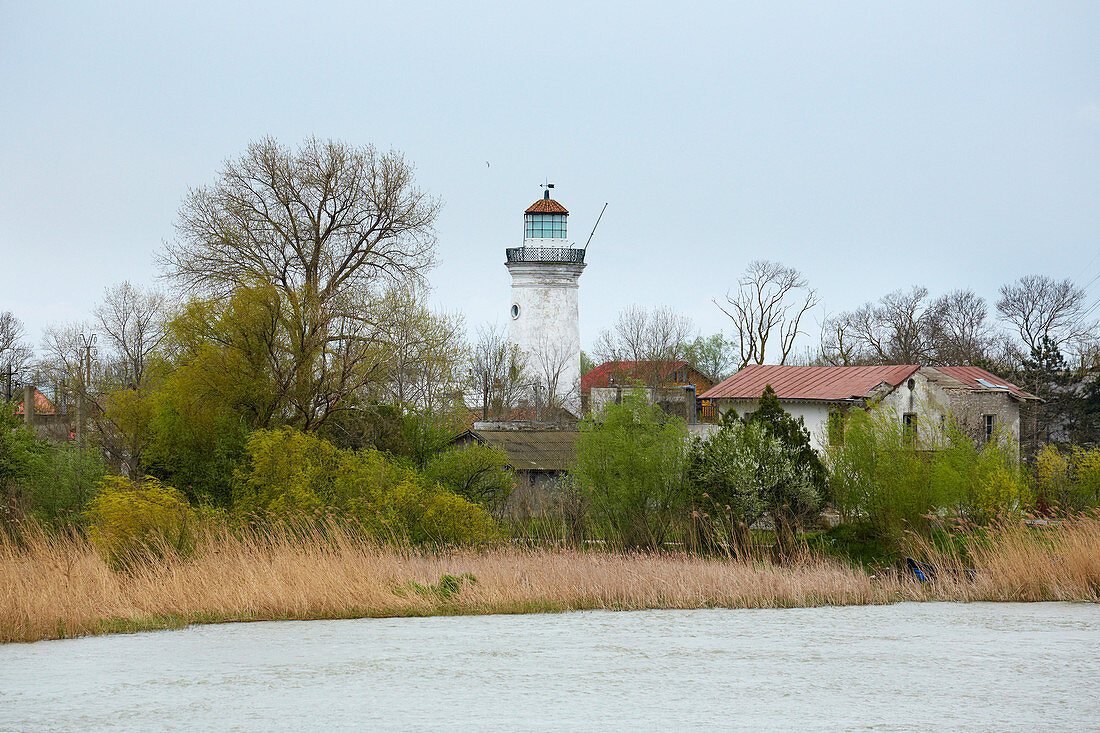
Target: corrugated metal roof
(531,450)
(627,370)
(546,206)
(970,376)
(809,382)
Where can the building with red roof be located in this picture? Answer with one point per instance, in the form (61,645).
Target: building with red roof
(924,398)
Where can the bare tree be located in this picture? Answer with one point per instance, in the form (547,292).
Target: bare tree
(652,337)
(767,308)
(498,372)
(134,322)
(320,230)
(425,351)
(839,346)
(15,353)
(547,364)
(1039,307)
(965,334)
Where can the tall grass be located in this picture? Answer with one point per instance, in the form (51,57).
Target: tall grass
(57,585)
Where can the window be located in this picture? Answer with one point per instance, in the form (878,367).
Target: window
(990,424)
(909,423)
(515,310)
(544,226)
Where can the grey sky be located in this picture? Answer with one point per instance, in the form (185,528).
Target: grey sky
(872,145)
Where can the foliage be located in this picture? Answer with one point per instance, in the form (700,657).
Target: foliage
(1067,480)
(714,356)
(979,483)
(795,438)
(60,481)
(18,447)
(881,476)
(630,461)
(425,435)
(50,482)
(291,473)
(127,517)
(447,587)
(196,437)
(744,471)
(478,472)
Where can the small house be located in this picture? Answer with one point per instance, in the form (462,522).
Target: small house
(924,398)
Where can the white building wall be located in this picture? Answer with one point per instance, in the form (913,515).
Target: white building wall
(547,325)
(815,415)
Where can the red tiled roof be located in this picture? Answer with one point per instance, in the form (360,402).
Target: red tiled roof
(42,405)
(546,206)
(625,371)
(969,375)
(809,382)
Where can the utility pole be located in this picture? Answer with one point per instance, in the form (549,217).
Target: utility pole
(88,351)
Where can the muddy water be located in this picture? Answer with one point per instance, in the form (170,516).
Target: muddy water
(910,666)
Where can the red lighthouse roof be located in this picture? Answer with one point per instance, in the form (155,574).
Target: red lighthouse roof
(546,206)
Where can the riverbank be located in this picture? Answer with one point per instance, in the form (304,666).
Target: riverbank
(59,586)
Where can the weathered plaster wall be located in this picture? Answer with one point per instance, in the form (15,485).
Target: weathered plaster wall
(970,408)
(678,401)
(924,398)
(547,326)
(815,415)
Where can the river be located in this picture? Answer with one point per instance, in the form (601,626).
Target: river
(926,666)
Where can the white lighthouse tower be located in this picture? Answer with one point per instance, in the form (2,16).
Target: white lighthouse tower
(545,319)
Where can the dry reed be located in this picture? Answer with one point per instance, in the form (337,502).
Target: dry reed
(58,586)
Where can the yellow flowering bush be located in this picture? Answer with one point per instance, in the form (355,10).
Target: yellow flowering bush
(128,516)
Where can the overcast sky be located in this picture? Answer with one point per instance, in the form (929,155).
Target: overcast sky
(872,145)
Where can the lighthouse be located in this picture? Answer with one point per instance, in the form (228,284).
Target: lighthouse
(544,317)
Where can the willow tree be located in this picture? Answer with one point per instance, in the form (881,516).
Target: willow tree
(323,229)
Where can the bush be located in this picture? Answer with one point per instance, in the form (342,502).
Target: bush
(127,518)
(743,470)
(59,482)
(981,484)
(881,476)
(1069,481)
(291,473)
(631,464)
(478,472)
(50,482)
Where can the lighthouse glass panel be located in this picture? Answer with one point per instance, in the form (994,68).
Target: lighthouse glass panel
(544,226)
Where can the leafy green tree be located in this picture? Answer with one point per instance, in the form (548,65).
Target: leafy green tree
(795,438)
(744,471)
(630,462)
(714,355)
(478,472)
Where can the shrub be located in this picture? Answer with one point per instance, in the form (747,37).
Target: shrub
(126,518)
(1086,469)
(59,482)
(291,473)
(478,472)
(52,483)
(1069,481)
(744,470)
(979,483)
(631,462)
(880,475)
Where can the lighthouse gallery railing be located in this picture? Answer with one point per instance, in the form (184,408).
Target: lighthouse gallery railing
(544,254)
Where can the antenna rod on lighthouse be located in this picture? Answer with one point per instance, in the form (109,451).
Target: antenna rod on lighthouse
(594,226)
